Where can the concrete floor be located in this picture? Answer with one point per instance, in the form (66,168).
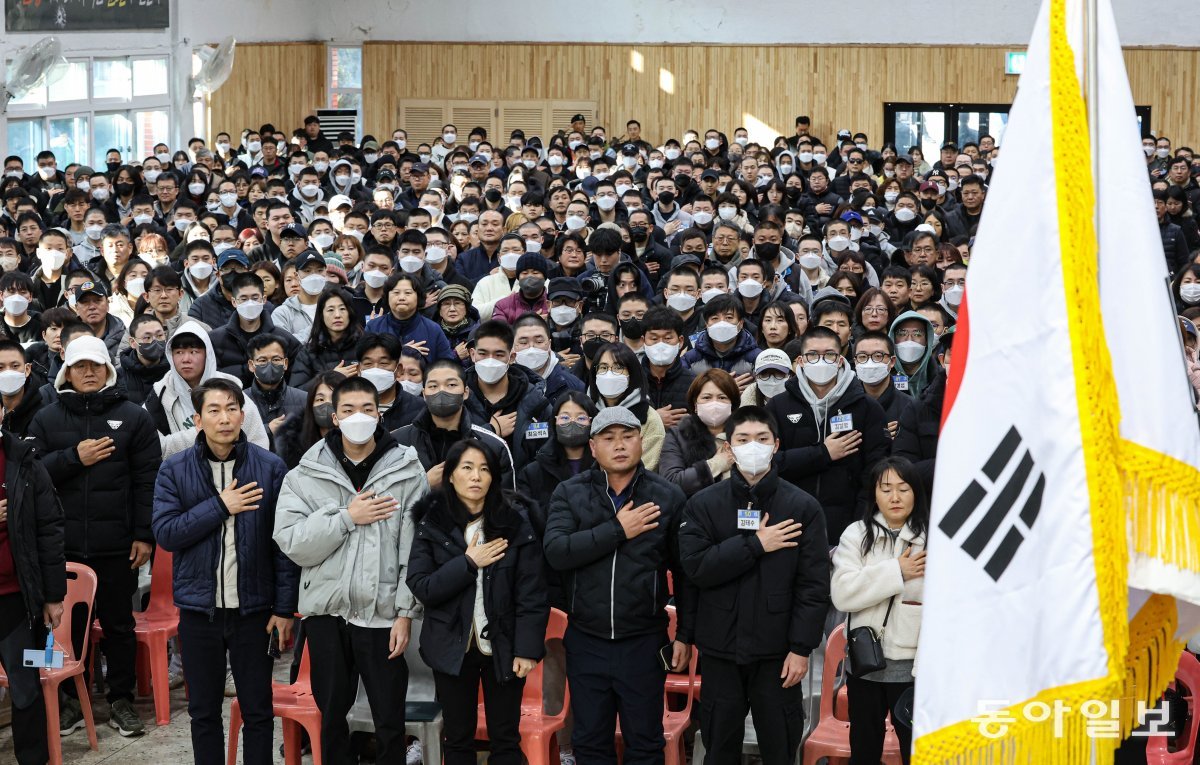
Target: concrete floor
(167,745)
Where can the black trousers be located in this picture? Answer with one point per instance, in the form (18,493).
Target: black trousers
(610,679)
(459,695)
(116,583)
(203,644)
(869,704)
(24,683)
(730,691)
(341,653)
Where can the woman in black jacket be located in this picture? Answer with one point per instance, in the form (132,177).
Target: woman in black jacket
(331,344)
(564,455)
(476,567)
(695,452)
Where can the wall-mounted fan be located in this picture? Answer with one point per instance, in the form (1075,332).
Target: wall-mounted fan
(216,63)
(37,65)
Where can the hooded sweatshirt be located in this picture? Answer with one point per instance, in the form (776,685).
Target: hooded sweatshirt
(171,401)
(926,369)
(820,406)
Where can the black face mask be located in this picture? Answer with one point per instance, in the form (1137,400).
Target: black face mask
(113,166)
(492,196)
(531,286)
(633,329)
(929,204)
(124,189)
(767,251)
(682,181)
(591,347)
(444,404)
(268,374)
(227,280)
(665,198)
(154,351)
(638,233)
(571,434)
(323,415)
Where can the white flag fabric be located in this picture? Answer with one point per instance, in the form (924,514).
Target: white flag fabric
(1025,584)
(1160,435)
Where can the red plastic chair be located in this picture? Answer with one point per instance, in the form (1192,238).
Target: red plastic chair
(296,706)
(539,730)
(155,626)
(81,589)
(1187,682)
(831,737)
(675,722)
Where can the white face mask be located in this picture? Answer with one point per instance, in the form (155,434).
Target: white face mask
(152,175)
(83,185)
(309,189)
(722,332)
(741,140)
(771,386)
(681,301)
(575,222)
(712,144)
(655,164)
(662,354)
(711,293)
(181,224)
(313,284)
(413,388)
(805,157)
(910,351)
(872,372)
(903,214)
(322,241)
(254,146)
(671,154)
(135,287)
(810,261)
(820,372)
(370,157)
(1161,152)
(11,381)
(47,172)
(200,270)
(533,358)
(383,379)
(714,413)
(954,296)
(748,288)
(51,260)
(606,203)
(250,310)
(702,218)
(411,264)
(554,160)
(838,243)
(15,305)
(163,157)
(582,172)
(611,384)
(435,254)
(449,137)
(358,428)
(374,278)
(195,188)
(490,370)
(753,458)
(1190,293)
(320,166)
(93,232)
(726,212)
(228,199)
(509,260)
(564,314)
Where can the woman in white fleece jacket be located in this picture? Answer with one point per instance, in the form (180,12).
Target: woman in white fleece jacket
(880,564)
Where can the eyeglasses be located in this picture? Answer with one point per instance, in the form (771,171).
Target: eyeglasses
(878,357)
(829,357)
(617,369)
(605,336)
(161,290)
(875,310)
(910,334)
(579,419)
(273,360)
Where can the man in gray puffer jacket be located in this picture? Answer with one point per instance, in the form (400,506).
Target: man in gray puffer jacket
(344,516)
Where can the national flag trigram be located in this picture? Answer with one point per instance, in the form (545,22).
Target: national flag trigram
(1022,487)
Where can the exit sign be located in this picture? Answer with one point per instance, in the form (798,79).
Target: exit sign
(1014,62)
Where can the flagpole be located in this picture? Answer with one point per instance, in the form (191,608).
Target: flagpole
(1091,91)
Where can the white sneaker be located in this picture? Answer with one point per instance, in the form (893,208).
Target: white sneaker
(566,757)
(414,753)
(230,688)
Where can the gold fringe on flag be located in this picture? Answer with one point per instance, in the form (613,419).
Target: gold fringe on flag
(1153,656)
(1162,496)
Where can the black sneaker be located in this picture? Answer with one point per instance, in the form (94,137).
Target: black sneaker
(124,719)
(70,716)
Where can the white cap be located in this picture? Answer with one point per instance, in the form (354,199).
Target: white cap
(87,348)
(339,200)
(772,358)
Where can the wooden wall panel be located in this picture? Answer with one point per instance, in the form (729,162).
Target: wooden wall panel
(678,87)
(280,83)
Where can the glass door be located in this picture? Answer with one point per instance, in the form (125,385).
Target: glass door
(112,131)
(929,125)
(925,129)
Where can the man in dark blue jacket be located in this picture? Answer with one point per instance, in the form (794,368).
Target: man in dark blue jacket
(214,509)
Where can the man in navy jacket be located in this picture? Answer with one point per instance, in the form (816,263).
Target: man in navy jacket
(214,509)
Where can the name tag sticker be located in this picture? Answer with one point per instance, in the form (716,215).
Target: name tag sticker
(842,423)
(538,430)
(900,381)
(748,519)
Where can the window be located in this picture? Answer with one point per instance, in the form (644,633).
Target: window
(345,77)
(97,104)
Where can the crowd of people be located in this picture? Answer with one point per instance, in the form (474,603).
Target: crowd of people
(465,382)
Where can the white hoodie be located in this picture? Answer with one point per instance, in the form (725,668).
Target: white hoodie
(175,395)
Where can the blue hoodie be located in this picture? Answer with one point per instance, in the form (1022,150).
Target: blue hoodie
(415,329)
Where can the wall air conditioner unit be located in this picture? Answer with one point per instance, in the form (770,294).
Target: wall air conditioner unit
(334,121)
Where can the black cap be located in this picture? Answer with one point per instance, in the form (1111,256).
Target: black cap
(710,175)
(903,159)
(294,231)
(309,257)
(686,259)
(564,286)
(629,150)
(90,288)
(420,168)
(578,118)
(950,145)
